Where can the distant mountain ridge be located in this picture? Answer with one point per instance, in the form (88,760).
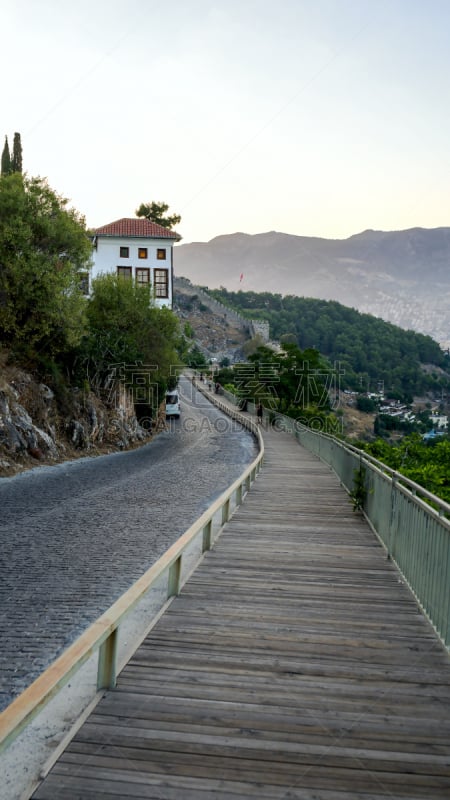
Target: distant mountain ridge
(400,276)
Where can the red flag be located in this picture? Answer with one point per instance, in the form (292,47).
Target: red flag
(241,278)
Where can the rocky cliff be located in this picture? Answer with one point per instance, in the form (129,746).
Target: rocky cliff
(39,427)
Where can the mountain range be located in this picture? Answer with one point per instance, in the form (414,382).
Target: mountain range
(401,276)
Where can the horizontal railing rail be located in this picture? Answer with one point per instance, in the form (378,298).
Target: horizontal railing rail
(102,636)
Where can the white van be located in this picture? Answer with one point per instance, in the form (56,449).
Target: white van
(173,404)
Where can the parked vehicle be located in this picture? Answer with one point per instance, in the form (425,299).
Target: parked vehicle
(173,404)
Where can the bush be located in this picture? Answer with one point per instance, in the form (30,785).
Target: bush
(365,404)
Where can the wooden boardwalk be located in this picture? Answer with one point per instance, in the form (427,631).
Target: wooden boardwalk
(294,665)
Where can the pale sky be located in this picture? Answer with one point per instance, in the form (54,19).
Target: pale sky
(311,117)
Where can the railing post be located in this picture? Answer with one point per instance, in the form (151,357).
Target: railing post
(174,579)
(225,511)
(207,530)
(390,549)
(239,495)
(107,662)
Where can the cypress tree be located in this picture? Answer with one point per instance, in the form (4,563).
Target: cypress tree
(16,163)
(6,167)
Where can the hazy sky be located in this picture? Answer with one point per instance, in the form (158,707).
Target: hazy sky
(312,117)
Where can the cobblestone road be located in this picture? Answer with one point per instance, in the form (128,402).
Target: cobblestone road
(75,536)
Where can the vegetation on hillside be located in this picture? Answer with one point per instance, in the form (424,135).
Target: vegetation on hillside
(48,326)
(299,384)
(428,464)
(371,352)
(300,371)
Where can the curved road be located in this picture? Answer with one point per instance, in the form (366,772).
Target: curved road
(75,536)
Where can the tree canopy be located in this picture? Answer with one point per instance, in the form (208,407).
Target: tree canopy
(43,246)
(298,383)
(155,212)
(130,338)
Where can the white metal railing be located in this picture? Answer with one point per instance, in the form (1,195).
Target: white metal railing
(411,522)
(102,636)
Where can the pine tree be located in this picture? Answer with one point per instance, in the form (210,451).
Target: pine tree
(6,167)
(16,163)
(155,213)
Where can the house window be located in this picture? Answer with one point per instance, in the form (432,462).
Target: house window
(124,272)
(161,282)
(124,252)
(161,254)
(142,252)
(84,282)
(142,276)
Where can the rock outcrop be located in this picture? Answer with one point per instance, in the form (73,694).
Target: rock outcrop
(217,331)
(36,426)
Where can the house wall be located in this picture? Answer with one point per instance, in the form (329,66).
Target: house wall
(106,258)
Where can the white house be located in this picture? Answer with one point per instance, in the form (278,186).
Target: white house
(138,250)
(439,421)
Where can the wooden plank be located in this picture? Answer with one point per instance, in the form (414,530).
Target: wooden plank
(260,767)
(174,788)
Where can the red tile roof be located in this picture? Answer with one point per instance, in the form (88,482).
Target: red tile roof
(134,227)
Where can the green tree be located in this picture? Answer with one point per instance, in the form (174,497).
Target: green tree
(365,404)
(292,381)
(155,212)
(196,359)
(288,338)
(128,337)
(16,162)
(6,159)
(43,246)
